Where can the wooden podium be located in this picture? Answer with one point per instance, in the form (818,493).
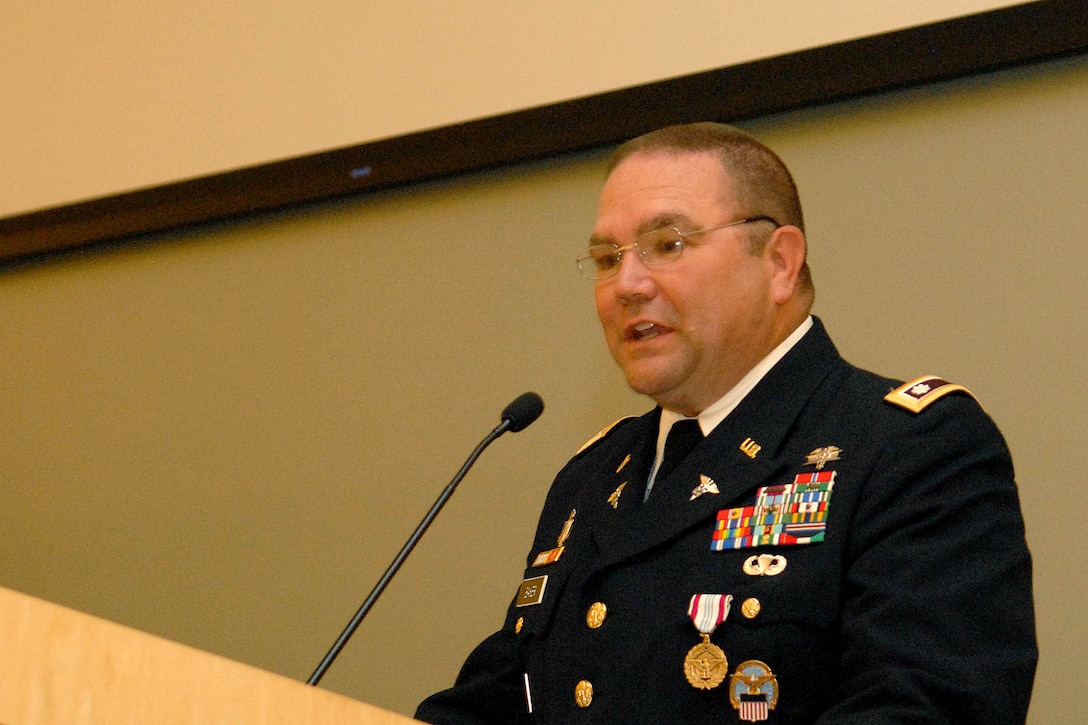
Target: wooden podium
(62,667)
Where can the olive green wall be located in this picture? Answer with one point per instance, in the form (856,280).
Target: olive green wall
(223,435)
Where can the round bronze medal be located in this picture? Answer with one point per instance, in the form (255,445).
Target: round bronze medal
(705,665)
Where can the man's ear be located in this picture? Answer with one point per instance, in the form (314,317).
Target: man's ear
(786,250)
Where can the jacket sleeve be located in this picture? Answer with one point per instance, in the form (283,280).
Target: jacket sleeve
(489,689)
(938,621)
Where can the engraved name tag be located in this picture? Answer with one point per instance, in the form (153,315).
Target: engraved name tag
(531,591)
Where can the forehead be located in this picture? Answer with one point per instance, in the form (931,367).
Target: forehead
(687,186)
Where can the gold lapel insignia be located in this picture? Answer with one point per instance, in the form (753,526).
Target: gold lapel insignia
(552,555)
(624,463)
(822,456)
(614,498)
(750,447)
(706,485)
(565,533)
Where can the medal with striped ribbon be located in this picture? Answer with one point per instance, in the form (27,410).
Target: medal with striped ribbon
(705,665)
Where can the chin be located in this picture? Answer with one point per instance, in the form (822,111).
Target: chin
(648,385)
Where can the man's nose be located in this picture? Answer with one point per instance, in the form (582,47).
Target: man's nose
(633,279)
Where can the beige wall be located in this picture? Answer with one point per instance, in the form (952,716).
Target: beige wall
(107,96)
(223,436)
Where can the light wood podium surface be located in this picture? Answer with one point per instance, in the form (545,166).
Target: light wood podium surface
(59,666)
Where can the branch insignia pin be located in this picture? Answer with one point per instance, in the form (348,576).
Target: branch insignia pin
(706,485)
(614,497)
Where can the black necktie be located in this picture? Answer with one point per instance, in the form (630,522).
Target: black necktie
(683,436)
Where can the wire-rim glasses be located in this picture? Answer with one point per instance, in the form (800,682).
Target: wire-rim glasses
(654,248)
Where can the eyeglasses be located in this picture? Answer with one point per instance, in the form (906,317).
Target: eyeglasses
(654,248)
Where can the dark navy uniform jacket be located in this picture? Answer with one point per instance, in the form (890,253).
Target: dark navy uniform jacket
(916,606)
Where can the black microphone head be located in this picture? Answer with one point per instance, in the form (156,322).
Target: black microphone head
(521,413)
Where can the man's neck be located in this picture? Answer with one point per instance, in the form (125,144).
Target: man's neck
(717,411)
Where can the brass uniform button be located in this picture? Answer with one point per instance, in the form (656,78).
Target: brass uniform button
(583,693)
(518,625)
(596,614)
(750,608)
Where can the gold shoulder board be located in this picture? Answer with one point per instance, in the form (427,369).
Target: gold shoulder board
(922,392)
(602,434)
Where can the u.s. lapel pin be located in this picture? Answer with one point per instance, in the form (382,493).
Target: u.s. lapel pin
(706,485)
(750,447)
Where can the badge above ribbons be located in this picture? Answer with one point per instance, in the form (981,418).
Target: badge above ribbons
(705,665)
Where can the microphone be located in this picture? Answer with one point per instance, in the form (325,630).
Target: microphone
(520,414)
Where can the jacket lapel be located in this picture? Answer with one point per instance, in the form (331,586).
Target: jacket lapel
(613,500)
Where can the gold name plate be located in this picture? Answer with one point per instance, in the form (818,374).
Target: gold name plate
(531,591)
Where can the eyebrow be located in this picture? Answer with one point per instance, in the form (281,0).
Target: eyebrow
(661,221)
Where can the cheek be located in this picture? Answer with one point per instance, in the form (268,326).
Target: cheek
(605,304)
(718,309)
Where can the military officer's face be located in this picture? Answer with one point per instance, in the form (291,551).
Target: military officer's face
(687,331)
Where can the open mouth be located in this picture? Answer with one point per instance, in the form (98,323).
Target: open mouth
(645,331)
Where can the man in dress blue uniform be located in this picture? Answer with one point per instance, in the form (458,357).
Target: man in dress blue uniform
(784,537)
